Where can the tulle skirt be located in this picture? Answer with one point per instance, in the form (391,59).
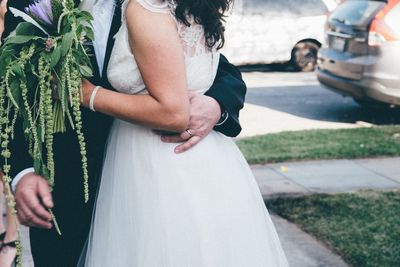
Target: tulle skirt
(156,208)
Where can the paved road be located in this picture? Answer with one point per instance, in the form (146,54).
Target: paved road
(284,100)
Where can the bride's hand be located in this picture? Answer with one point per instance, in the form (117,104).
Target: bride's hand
(3,11)
(204,115)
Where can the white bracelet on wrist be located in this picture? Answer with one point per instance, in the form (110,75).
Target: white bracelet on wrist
(92,97)
(224,118)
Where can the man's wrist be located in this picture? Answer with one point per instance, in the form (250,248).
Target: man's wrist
(224,115)
(19,176)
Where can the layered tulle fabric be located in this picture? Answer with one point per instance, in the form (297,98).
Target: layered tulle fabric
(198,209)
(155,208)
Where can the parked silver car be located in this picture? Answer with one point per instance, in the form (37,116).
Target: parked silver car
(361,57)
(272,31)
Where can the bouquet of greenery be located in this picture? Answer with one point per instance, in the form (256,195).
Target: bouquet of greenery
(41,68)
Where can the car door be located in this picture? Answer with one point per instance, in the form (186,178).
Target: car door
(347,34)
(266,31)
(254,31)
(309,20)
(287,23)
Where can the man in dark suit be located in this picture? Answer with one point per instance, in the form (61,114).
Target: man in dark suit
(218,110)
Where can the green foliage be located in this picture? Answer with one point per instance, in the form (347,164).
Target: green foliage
(24,29)
(30,62)
(57,8)
(362,227)
(67,43)
(55,57)
(20,39)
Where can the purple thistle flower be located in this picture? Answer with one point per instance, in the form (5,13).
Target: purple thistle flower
(41,10)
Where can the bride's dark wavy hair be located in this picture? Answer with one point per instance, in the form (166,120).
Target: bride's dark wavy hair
(208,13)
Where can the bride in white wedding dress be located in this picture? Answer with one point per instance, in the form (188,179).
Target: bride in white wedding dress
(156,208)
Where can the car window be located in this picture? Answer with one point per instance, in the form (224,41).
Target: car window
(392,19)
(264,7)
(283,7)
(356,12)
(310,8)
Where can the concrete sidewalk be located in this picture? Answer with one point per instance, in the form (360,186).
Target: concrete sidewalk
(301,249)
(328,176)
(302,178)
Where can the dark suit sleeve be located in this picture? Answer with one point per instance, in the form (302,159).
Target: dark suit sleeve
(20,158)
(10,21)
(229,90)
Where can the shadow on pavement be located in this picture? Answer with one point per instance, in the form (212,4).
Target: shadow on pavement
(313,101)
(282,67)
(317,103)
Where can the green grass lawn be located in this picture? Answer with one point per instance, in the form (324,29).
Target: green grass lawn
(364,227)
(322,144)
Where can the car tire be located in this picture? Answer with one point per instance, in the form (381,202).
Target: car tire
(304,56)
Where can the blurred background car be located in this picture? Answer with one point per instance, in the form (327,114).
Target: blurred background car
(361,58)
(277,31)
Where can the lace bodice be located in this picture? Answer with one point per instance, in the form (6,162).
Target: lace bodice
(201,62)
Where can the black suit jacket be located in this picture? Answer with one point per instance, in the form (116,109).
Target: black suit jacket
(73,215)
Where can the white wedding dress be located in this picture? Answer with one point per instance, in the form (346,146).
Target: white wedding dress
(156,208)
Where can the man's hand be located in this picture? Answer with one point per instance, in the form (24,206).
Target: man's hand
(33,199)
(205,113)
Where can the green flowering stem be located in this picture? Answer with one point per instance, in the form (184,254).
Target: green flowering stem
(27,68)
(8,87)
(74,87)
(62,93)
(42,98)
(7,130)
(18,260)
(56,226)
(58,118)
(45,74)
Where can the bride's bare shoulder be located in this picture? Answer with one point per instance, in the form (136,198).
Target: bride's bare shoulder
(153,6)
(150,25)
(148,15)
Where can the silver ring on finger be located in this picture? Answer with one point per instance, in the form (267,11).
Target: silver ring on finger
(189,132)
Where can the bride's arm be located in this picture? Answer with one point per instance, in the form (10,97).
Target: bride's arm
(157,49)
(3,11)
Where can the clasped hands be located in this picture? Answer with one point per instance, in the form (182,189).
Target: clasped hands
(205,113)
(33,195)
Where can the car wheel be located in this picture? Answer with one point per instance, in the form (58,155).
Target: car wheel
(304,56)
